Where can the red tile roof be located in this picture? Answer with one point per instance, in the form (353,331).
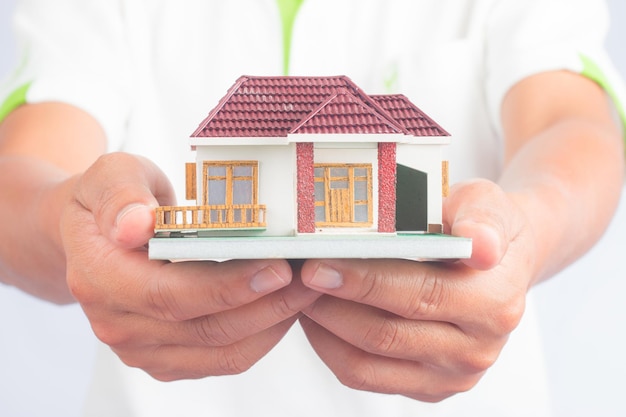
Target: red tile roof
(278,106)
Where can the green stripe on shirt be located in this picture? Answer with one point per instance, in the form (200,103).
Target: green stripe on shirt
(592,71)
(14,100)
(288,11)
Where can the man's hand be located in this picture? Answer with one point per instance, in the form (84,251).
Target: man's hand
(430,330)
(426,330)
(174,320)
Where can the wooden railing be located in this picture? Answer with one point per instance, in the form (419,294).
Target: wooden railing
(210,217)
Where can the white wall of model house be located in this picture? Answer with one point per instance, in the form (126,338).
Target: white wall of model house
(277,188)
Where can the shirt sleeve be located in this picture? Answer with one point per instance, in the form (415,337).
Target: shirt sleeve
(533,36)
(73,51)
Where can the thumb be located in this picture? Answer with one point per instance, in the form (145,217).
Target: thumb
(480,210)
(122,191)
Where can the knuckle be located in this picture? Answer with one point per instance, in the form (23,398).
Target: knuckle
(150,359)
(161,299)
(361,374)
(432,398)
(110,162)
(359,377)
(211,331)
(133,360)
(145,360)
(507,316)
(477,361)
(283,309)
(385,338)
(110,334)
(370,289)
(427,298)
(452,387)
(81,292)
(225,298)
(83,277)
(162,376)
(232,361)
(103,166)
(463,383)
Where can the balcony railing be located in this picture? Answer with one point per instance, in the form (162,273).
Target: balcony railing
(238,216)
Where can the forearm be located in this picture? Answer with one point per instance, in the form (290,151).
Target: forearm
(566,175)
(41,148)
(31,254)
(568,199)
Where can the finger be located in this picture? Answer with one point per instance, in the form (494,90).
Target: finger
(121,191)
(480,210)
(406,288)
(230,326)
(173,291)
(361,370)
(381,333)
(476,301)
(128,330)
(173,362)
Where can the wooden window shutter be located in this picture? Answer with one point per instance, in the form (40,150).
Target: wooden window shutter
(445,182)
(190,175)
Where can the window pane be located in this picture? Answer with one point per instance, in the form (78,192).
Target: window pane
(217,192)
(242,171)
(360,190)
(242,192)
(218,216)
(339,185)
(320,214)
(360,172)
(243,215)
(320,195)
(339,172)
(319,172)
(217,171)
(360,213)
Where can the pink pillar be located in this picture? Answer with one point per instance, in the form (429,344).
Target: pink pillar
(386,187)
(306,188)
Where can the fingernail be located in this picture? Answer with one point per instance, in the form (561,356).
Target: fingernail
(326,277)
(129,211)
(266,280)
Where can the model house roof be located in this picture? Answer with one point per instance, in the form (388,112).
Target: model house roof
(280,106)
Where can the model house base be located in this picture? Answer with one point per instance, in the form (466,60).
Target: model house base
(426,247)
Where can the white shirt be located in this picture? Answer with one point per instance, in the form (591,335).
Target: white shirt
(150,70)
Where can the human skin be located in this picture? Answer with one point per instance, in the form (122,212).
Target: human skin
(430,330)
(423,330)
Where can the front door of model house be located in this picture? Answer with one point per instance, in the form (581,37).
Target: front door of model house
(343,195)
(339,203)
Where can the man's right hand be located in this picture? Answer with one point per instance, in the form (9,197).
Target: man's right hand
(173,320)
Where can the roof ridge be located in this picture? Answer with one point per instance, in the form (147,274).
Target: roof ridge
(343,91)
(373,103)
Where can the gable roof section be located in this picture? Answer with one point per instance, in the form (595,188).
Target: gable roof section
(343,112)
(279,106)
(409,115)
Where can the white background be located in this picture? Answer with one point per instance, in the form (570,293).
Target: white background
(46,351)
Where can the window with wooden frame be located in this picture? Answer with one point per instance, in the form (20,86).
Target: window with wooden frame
(343,195)
(230,183)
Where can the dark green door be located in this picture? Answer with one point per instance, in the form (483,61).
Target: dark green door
(411,200)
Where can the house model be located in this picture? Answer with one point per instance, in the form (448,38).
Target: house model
(301,167)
